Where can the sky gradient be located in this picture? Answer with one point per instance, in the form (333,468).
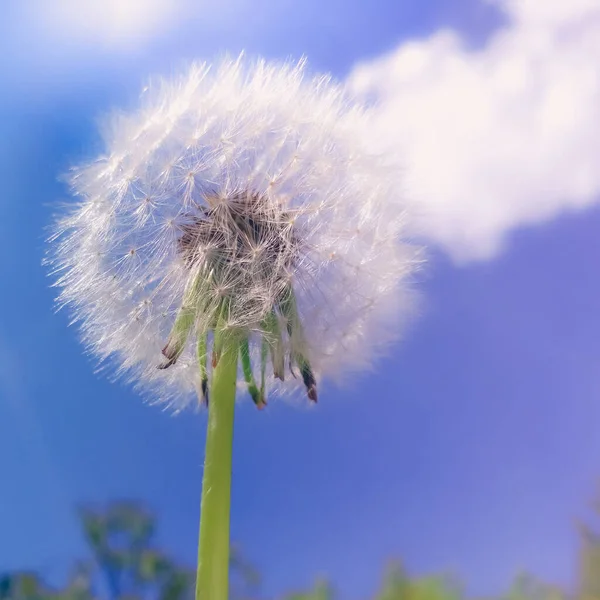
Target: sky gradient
(473,447)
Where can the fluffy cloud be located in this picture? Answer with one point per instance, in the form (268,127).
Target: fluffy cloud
(496,138)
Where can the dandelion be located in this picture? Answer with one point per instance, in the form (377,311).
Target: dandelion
(236,223)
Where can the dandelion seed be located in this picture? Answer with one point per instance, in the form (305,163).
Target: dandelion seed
(277,187)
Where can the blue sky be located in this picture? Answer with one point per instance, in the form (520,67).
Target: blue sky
(476,444)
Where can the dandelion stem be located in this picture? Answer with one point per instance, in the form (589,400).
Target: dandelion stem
(212,578)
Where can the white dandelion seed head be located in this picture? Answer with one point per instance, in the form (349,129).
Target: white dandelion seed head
(229,189)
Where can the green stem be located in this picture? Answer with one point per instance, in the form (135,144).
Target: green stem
(212,579)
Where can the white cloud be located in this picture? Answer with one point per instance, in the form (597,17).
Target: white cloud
(499,137)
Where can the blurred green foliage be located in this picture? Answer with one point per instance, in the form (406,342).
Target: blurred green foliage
(125,564)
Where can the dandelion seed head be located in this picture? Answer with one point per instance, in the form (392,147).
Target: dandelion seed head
(227,189)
